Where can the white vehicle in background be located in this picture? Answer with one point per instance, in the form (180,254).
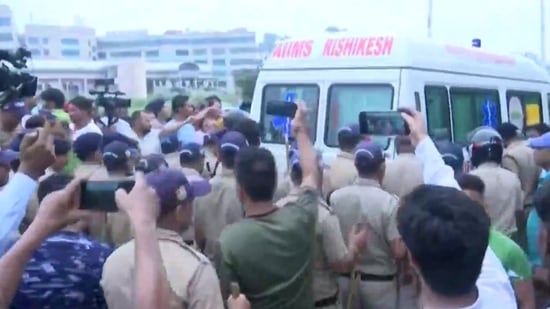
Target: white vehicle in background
(456,88)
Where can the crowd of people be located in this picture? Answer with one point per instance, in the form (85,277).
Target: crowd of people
(210,224)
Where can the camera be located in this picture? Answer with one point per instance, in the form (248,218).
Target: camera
(14,83)
(110,102)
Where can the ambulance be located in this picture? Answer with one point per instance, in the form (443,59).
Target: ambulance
(456,88)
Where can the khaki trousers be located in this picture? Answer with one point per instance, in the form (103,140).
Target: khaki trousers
(369,294)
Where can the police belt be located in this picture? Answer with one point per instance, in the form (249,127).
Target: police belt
(326,301)
(369,277)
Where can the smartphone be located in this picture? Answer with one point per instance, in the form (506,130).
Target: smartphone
(100,195)
(383,123)
(281,108)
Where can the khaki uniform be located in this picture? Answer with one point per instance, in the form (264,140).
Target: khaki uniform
(189,234)
(403,174)
(518,158)
(219,208)
(191,277)
(211,164)
(341,173)
(330,248)
(86,169)
(366,202)
(503,196)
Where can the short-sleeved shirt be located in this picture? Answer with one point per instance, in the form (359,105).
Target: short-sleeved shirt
(340,173)
(271,256)
(221,207)
(511,256)
(64,272)
(91,127)
(149,143)
(518,158)
(366,202)
(191,276)
(503,195)
(399,183)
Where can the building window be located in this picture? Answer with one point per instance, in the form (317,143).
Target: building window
(218,62)
(46,52)
(45,40)
(182,52)
(218,51)
(69,41)
(35,52)
(151,53)
(126,54)
(6,37)
(244,62)
(33,41)
(219,73)
(200,52)
(101,55)
(243,50)
(5,21)
(201,61)
(251,38)
(70,52)
(222,84)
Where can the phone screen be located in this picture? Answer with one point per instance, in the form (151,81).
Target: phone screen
(382,123)
(100,195)
(281,108)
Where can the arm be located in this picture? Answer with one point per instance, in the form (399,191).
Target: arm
(13,263)
(435,171)
(173,127)
(340,258)
(203,291)
(15,197)
(308,159)
(151,287)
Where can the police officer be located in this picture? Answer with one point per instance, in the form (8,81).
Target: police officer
(373,284)
(452,155)
(87,148)
(502,188)
(404,173)
(192,165)
(117,158)
(332,256)
(222,206)
(519,159)
(192,278)
(341,171)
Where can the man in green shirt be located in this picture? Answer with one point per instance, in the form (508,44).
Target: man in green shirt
(509,253)
(270,252)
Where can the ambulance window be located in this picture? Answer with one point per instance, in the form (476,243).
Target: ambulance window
(524,108)
(471,108)
(438,114)
(271,130)
(345,102)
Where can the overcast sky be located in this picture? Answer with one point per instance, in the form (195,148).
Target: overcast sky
(507,25)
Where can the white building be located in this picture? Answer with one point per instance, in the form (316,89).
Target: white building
(8,33)
(136,78)
(60,42)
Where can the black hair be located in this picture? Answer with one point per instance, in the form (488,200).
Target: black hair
(447,234)
(179,101)
(250,129)
(507,131)
(228,157)
(367,169)
(51,184)
(541,128)
(83,103)
(347,140)
(256,173)
(296,175)
(135,116)
(471,182)
(53,95)
(35,122)
(213,99)
(542,202)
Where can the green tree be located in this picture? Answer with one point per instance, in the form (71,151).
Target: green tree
(245,80)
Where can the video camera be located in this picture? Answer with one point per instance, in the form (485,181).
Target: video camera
(110,102)
(15,84)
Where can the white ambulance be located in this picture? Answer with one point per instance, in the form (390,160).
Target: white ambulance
(456,88)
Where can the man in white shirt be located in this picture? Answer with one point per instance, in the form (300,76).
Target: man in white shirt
(447,236)
(81,113)
(148,137)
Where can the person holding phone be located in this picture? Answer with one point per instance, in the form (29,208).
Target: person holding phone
(191,277)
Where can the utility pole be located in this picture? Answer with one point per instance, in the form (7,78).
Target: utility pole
(542,32)
(429,25)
